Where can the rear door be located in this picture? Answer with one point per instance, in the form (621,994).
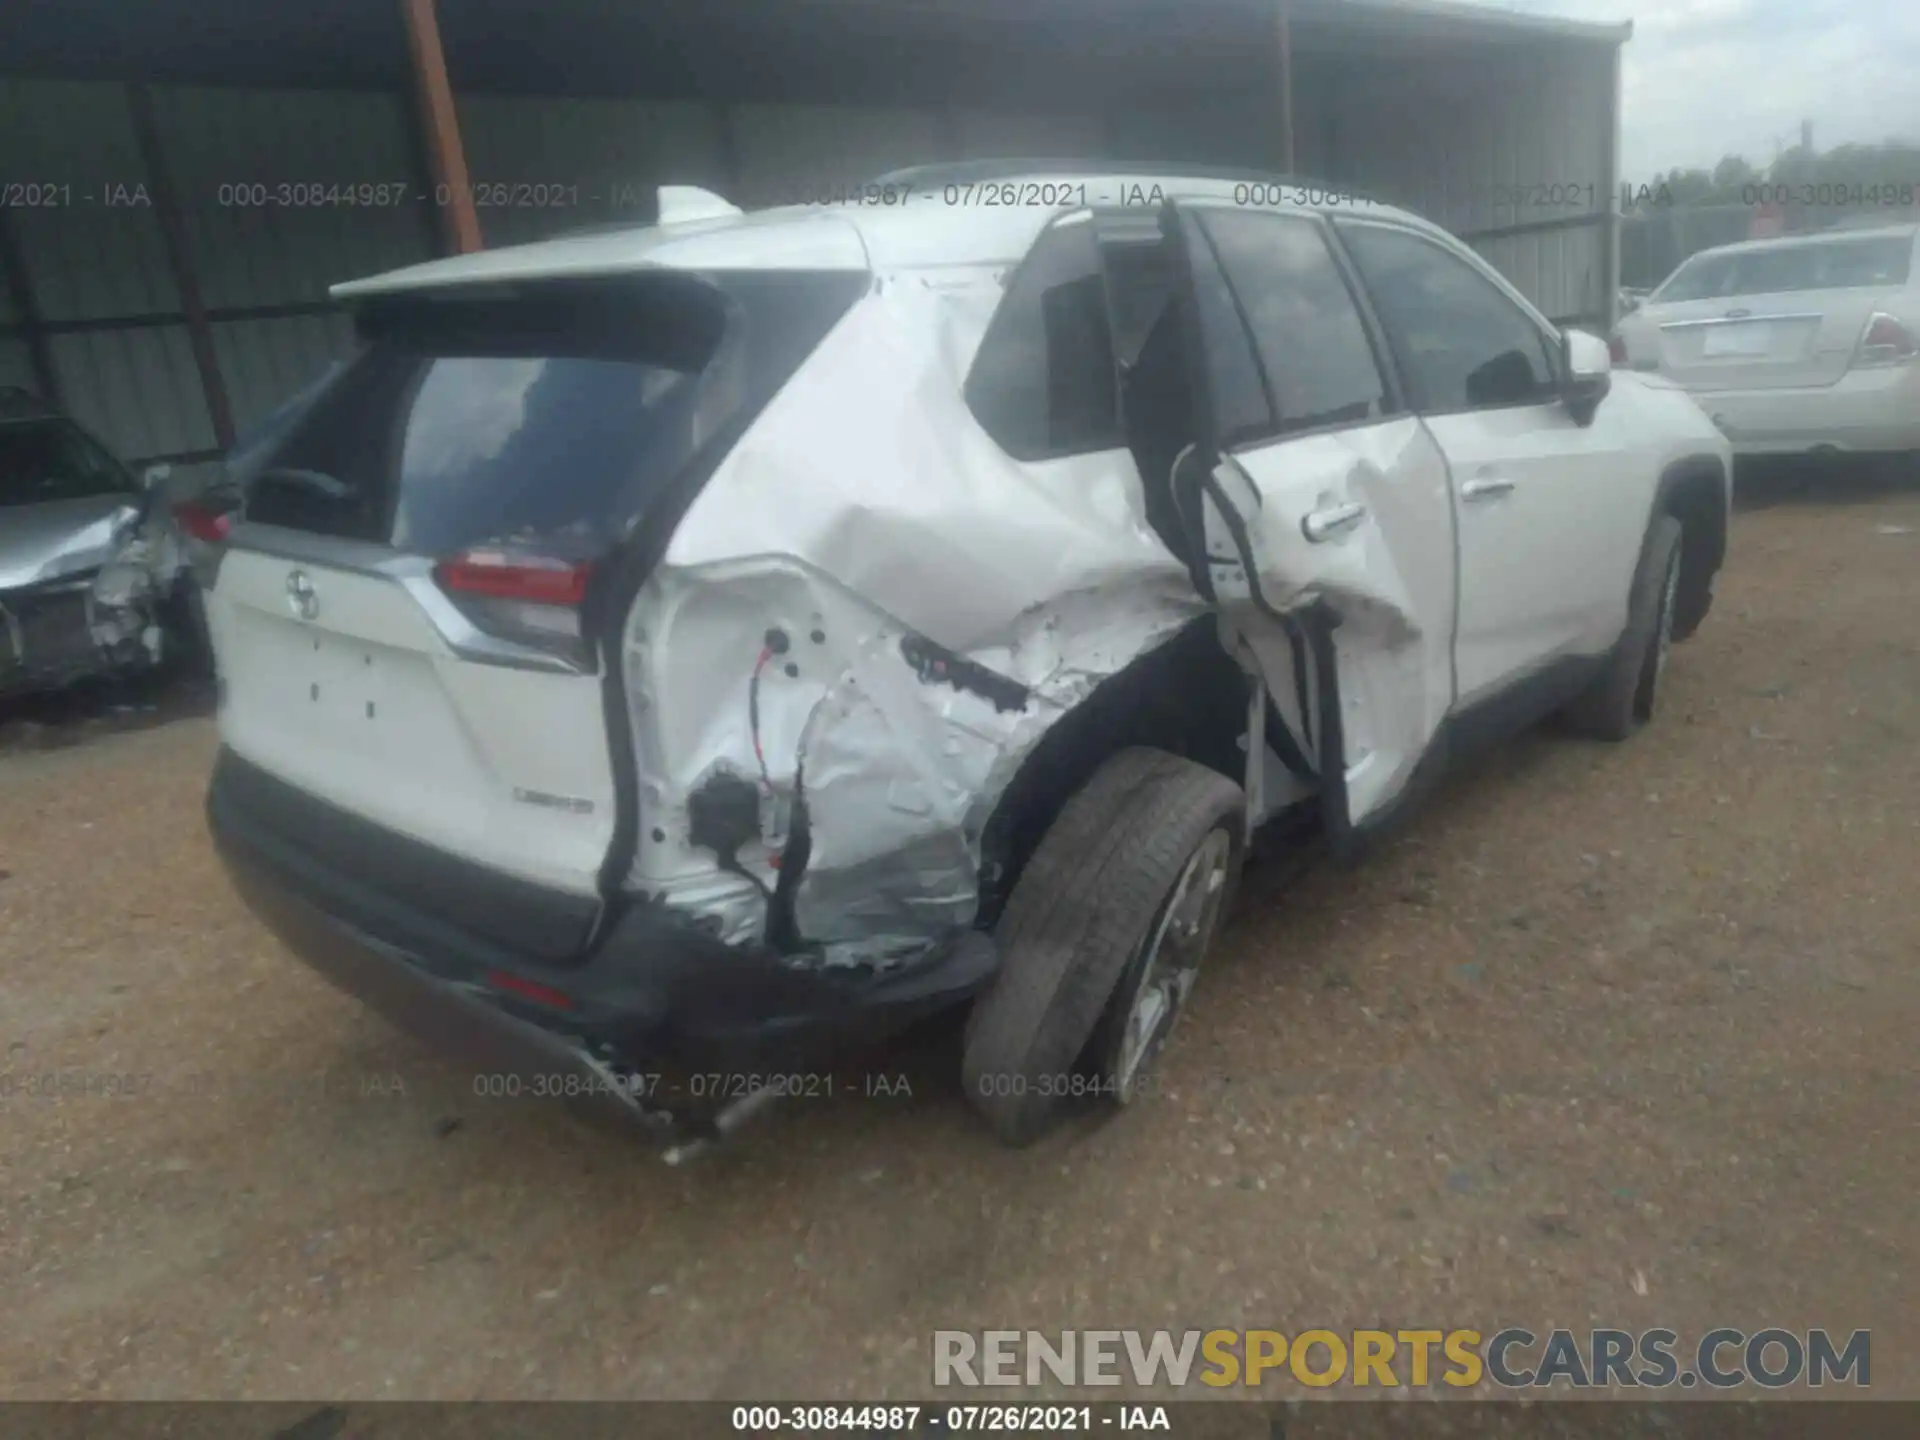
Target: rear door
(403,618)
(1777,316)
(1316,503)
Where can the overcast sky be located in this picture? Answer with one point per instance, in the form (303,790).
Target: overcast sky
(1704,78)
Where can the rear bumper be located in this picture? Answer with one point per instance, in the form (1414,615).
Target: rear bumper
(1865,411)
(659,1015)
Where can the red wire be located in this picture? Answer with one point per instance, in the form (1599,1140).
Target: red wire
(753,714)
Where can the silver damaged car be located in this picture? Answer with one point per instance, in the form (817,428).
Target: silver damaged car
(90,563)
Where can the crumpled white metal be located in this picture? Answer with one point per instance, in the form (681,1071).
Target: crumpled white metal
(1046,575)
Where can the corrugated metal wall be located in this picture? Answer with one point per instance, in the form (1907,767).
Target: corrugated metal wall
(1526,142)
(243,165)
(582,162)
(264,268)
(103,282)
(95,263)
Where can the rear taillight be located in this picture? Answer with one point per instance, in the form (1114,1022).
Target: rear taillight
(1885,341)
(1617,348)
(209,525)
(202,522)
(531,600)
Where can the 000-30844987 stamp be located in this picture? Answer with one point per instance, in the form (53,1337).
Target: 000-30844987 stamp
(1068,1084)
(1836,194)
(700,1085)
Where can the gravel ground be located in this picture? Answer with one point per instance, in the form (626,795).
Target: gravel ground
(1606,1036)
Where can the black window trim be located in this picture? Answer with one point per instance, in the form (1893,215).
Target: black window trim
(1081,217)
(1394,400)
(1233,443)
(1547,335)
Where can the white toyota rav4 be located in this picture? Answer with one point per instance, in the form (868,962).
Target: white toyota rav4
(665,658)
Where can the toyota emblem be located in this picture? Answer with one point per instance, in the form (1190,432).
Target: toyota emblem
(302,599)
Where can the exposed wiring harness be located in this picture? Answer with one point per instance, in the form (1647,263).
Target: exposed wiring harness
(776,644)
(753,714)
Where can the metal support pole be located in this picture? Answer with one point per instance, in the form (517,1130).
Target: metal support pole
(1285,24)
(460,223)
(173,234)
(1610,179)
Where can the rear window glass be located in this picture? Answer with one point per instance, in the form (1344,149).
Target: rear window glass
(43,461)
(546,417)
(1832,265)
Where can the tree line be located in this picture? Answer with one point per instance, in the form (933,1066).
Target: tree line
(1893,165)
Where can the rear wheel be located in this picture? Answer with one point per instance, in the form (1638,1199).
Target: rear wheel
(1102,939)
(1623,696)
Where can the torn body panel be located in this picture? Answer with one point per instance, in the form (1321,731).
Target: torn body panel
(895,766)
(1356,527)
(876,614)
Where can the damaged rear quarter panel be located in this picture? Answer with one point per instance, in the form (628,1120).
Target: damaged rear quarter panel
(869,520)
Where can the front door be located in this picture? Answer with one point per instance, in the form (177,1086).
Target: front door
(1316,503)
(1546,547)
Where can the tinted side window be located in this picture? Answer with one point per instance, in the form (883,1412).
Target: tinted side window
(1465,345)
(1043,383)
(1313,345)
(1139,290)
(49,460)
(1234,387)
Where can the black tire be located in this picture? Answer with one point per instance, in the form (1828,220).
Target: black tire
(1077,921)
(1622,697)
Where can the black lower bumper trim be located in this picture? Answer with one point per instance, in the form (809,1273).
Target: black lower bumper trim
(657,992)
(443,891)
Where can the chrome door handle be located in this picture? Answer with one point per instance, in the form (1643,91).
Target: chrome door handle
(1485,488)
(1334,520)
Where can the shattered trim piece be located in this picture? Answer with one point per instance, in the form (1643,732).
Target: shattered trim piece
(936,630)
(87,600)
(935,664)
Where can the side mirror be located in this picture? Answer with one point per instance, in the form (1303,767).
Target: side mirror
(154,476)
(1586,373)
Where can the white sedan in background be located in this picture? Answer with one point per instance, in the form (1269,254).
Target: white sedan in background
(1804,345)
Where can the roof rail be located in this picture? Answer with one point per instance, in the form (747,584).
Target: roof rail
(979,172)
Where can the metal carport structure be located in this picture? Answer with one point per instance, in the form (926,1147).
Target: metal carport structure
(167,237)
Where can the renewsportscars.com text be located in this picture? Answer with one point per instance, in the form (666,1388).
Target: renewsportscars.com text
(1511,1358)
